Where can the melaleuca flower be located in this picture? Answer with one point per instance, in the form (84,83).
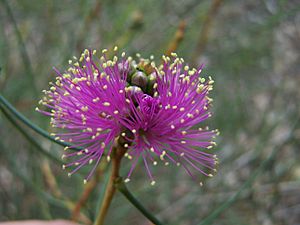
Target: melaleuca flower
(152,111)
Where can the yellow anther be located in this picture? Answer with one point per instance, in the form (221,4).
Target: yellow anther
(84,108)
(96,99)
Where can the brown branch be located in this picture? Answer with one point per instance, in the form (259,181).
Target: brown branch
(50,179)
(90,186)
(177,39)
(205,30)
(94,13)
(117,155)
(54,189)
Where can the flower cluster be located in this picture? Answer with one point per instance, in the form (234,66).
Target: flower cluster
(152,111)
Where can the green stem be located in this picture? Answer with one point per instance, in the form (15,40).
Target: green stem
(212,216)
(124,190)
(30,138)
(34,127)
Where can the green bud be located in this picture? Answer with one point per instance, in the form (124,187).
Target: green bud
(140,79)
(151,82)
(131,91)
(123,68)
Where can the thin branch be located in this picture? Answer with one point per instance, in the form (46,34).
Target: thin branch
(205,30)
(34,127)
(177,39)
(90,186)
(124,190)
(117,156)
(30,138)
(92,15)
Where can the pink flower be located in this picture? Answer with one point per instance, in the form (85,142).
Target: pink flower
(153,111)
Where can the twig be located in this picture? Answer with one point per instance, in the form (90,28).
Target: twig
(117,156)
(50,179)
(177,39)
(90,186)
(29,137)
(205,30)
(34,127)
(94,13)
(123,189)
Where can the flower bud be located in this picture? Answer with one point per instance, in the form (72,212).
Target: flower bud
(128,69)
(133,92)
(140,79)
(151,82)
(146,67)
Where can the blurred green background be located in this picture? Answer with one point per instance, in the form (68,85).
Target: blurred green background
(252,50)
